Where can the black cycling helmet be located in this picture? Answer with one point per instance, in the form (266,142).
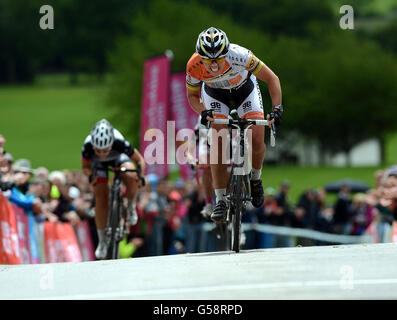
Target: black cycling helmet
(212,43)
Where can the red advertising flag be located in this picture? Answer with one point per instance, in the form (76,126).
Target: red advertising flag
(184,116)
(154,115)
(22,221)
(60,243)
(9,244)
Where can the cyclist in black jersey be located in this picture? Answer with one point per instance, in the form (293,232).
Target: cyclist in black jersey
(106,147)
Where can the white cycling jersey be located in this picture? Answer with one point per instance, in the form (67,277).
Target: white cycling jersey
(239,63)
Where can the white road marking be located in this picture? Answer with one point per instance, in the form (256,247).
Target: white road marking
(154,292)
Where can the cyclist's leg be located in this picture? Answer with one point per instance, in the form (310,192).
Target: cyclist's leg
(101,192)
(130,179)
(252,108)
(219,142)
(206,178)
(208,193)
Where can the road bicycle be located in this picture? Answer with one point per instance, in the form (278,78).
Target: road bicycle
(117,228)
(239,181)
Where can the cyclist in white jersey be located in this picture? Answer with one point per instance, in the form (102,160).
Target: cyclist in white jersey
(221,75)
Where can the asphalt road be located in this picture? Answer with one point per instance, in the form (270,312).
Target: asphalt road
(329,272)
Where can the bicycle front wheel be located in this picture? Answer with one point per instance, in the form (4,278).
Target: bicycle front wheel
(236,207)
(113,250)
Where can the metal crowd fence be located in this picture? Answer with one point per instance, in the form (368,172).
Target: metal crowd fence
(377,232)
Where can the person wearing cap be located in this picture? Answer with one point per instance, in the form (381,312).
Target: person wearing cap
(20,194)
(41,173)
(105,146)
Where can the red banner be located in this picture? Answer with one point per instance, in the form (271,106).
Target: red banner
(9,245)
(154,115)
(85,241)
(22,221)
(183,115)
(60,243)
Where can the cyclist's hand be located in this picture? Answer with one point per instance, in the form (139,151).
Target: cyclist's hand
(276,116)
(142,181)
(207,115)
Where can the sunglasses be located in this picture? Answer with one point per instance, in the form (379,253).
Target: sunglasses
(103,150)
(209,61)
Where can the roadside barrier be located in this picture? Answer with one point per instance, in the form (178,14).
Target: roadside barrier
(25,240)
(369,237)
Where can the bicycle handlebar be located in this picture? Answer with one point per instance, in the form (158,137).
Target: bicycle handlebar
(250,122)
(123,169)
(241,122)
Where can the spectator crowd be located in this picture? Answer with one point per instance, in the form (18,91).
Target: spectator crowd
(170,219)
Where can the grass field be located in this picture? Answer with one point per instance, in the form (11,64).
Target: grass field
(302,178)
(47,124)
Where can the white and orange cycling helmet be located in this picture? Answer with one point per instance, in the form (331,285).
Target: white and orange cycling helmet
(212,43)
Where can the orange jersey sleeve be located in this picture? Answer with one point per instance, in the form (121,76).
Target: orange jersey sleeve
(194,72)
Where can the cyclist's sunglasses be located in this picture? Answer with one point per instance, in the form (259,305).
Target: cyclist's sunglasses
(209,61)
(102,150)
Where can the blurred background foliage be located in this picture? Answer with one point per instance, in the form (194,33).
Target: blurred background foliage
(338,85)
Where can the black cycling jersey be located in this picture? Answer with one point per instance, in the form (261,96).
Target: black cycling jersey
(120,146)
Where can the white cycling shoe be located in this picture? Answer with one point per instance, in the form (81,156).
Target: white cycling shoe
(207,210)
(132,215)
(101,250)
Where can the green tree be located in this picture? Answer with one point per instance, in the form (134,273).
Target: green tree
(337,90)
(275,17)
(85,32)
(22,41)
(386,37)
(163,25)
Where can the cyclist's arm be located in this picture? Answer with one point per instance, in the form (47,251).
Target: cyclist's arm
(137,158)
(86,167)
(267,75)
(86,154)
(193,96)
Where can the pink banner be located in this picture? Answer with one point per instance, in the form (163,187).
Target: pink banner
(154,115)
(22,221)
(85,241)
(181,112)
